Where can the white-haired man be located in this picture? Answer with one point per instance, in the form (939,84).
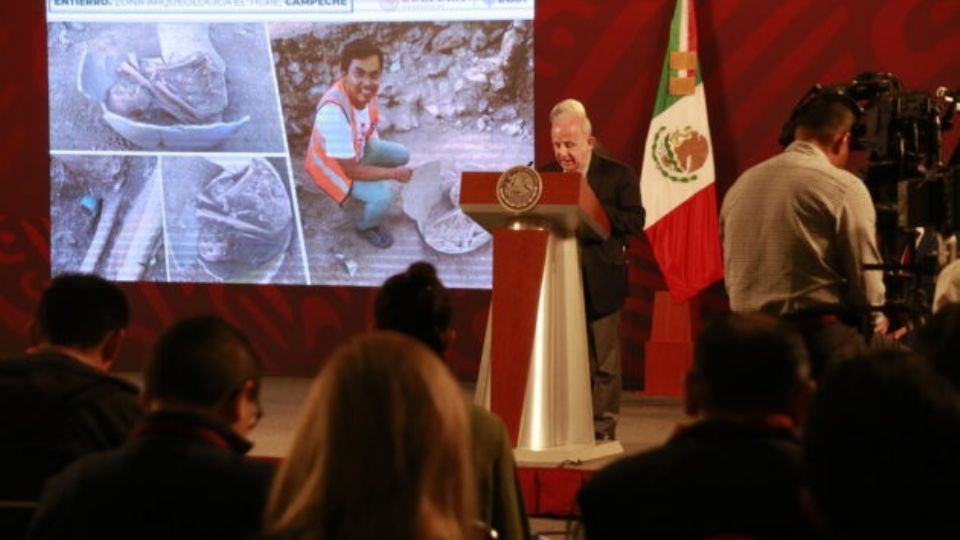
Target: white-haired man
(604,263)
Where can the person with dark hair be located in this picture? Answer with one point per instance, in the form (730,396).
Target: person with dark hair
(939,342)
(183,473)
(797,231)
(881,446)
(358,49)
(104,309)
(346,157)
(417,304)
(737,467)
(603,262)
(57,401)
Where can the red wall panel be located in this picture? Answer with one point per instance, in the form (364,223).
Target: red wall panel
(757,58)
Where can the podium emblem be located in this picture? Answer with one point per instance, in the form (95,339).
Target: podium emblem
(519,188)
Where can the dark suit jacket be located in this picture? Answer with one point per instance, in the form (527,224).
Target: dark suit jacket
(180,476)
(714,477)
(604,264)
(53,410)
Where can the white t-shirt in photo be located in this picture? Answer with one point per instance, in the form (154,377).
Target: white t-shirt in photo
(337,132)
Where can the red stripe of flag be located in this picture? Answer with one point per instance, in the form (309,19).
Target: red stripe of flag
(685,245)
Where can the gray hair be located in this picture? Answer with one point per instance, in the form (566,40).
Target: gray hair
(574,108)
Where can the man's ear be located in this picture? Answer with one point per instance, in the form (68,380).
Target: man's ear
(839,143)
(239,410)
(110,347)
(591,141)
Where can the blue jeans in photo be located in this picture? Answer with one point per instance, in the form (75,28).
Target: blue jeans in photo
(377,195)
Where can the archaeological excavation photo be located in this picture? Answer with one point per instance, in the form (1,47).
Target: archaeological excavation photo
(106,218)
(450,97)
(163,86)
(231,220)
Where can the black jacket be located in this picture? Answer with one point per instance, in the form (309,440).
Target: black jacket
(715,477)
(180,476)
(604,263)
(53,410)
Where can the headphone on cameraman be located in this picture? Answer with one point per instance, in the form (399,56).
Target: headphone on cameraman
(836,94)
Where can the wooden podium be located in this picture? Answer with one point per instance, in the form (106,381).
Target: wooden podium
(535,372)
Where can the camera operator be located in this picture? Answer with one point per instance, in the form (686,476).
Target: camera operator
(797,230)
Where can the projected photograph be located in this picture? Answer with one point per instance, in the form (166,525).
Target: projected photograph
(162,86)
(448,97)
(106,217)
(230,220)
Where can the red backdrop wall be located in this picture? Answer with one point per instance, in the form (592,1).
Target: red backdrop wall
(757,58)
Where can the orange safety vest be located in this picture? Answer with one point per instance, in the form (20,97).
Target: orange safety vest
(322,167)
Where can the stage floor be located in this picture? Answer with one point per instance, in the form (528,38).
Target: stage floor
(645,421)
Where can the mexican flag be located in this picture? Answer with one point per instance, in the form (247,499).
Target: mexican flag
(677,177)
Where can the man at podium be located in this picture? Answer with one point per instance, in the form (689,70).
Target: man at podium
(603,263)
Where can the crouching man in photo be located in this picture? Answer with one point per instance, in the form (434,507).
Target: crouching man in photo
(346,157)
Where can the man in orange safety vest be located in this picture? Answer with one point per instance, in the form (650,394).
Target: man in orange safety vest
(346,157)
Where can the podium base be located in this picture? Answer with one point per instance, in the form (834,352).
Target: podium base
(569,454)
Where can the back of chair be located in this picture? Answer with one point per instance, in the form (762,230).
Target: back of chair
(15,518)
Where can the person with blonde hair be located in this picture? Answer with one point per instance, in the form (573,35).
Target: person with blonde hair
(415,303)
(382,450)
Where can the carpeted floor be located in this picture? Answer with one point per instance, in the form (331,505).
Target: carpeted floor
(645,421)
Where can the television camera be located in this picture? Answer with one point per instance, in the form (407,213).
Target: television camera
(916,193)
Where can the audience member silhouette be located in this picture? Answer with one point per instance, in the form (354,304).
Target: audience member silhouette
(382,450)
(946,290)
(182,474)
(57,401)
(882,442)
(417,304)
(736,469)
(939,342)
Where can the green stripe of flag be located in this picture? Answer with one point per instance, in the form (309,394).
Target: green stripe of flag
(664,99)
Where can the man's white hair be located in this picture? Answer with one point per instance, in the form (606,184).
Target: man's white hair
(573,108)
